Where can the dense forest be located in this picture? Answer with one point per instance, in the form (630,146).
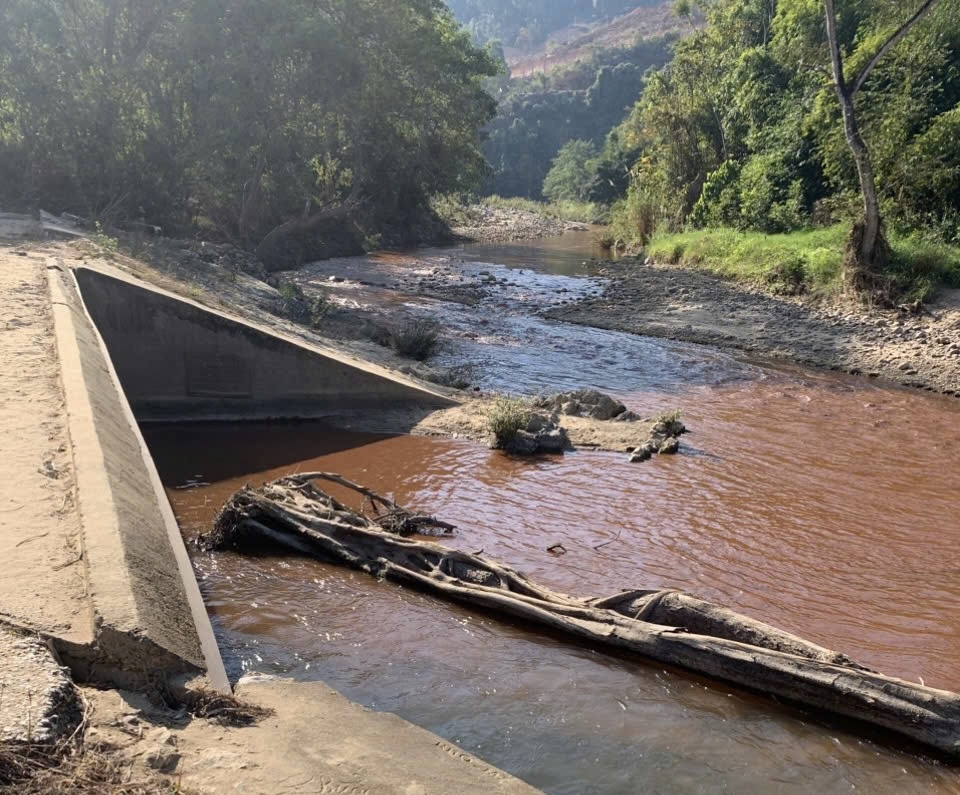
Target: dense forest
(743,127)
(268,123)
(281,124)
(526,23)
(539,115)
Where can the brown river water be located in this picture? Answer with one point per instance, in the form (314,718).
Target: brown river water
(824,504)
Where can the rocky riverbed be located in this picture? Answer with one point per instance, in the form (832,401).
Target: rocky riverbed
(487,224)
(915,349)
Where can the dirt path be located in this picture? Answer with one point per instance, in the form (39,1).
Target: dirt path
(41,579)
(663,301)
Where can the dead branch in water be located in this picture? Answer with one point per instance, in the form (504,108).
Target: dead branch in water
(664,625)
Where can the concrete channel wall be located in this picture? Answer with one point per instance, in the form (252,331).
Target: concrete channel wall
(179,361)
(148,615)
(130,352)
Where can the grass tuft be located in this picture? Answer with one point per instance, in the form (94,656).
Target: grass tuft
(417,339)
(506,416)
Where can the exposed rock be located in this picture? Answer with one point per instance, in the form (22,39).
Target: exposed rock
(542,434)
(664,438)
(641,454)
(585,403)
(502,224)
(669,446)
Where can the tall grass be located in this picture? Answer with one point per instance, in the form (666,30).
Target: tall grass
(506,417)
(806,261)
(417,339)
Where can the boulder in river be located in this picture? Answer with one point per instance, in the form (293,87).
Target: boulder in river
(542,434)
(585,403)
(664,438)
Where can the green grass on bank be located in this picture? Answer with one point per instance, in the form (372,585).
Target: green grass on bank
(567,210)
(807,261)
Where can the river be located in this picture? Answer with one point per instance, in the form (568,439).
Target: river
(821,503)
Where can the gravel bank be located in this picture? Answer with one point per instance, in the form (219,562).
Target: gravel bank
(918,350)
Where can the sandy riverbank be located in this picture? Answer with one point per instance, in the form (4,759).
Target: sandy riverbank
(918,350)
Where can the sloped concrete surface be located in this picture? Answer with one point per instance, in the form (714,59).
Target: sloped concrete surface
(179,360)
(313,741)
(149,619)
(38,702)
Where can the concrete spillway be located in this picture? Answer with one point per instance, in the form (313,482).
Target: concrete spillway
(130,352)
(177,360)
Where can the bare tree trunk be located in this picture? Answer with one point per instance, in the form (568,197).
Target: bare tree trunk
(868,253)
(250,200)
(869,247)
(110,32)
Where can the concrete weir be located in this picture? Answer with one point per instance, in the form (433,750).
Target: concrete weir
(131,352)
(106,585)
(178,360)
(147,612)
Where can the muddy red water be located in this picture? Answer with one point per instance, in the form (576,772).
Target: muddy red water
(823,504)
(825,507)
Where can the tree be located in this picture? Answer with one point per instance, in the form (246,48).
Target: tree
(867,250)
(258,122)
(572,174)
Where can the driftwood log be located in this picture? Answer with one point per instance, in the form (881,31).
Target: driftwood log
(664,625)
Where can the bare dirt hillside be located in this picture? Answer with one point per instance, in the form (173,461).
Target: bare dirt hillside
(578,42)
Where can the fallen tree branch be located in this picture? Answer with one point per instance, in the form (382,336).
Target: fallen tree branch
(664,625)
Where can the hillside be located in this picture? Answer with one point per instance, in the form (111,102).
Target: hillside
(578,85)
(579,42)
(527,24)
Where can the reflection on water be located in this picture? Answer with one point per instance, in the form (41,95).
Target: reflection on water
(823,504)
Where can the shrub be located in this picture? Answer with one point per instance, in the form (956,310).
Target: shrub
(719,202)
(417,339)
(300,307)
(787,277)
(318,305)
(290,291)
(108,243)
(506,416)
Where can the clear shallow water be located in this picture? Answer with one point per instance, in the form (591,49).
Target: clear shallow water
(826,505)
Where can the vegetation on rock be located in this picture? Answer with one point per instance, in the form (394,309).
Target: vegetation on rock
(506,417)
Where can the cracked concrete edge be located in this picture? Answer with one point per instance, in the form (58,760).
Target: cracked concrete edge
(38,701)
(148,617)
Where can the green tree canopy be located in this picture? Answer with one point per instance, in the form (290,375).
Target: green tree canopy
(239,116)
(743,125)
(571,176)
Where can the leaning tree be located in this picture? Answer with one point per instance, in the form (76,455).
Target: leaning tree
(867,249)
